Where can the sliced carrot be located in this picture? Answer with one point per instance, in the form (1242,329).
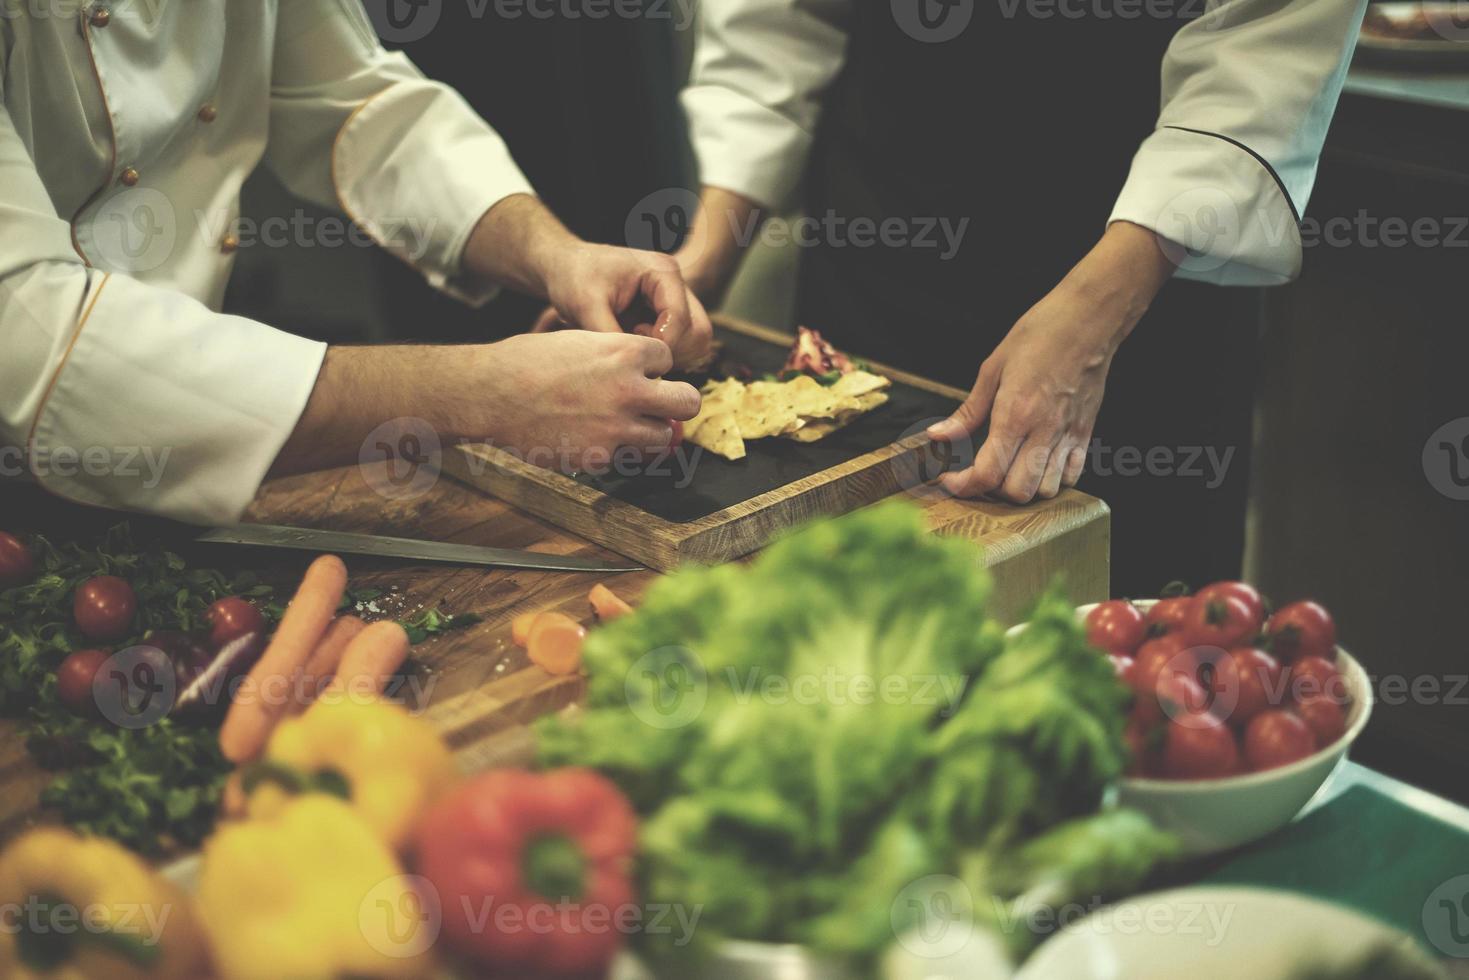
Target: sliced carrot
(232,800)
(520,628)
(608,605)
(371,660)
(554,643)
(268,690)
(324,661)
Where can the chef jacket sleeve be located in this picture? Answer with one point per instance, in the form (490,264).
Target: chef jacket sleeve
(121,394)
(1249,89)
(355,127)
(754,94)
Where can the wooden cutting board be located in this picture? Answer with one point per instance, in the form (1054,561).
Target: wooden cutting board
(692,505)
(481,691)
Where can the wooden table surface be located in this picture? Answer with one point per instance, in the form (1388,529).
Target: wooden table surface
(479,689)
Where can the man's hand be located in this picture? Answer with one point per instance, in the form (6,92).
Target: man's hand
(1042,387)
(564,401)
(595,287)
(607,290)
(568,400)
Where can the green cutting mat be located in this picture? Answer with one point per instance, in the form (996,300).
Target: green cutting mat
(1376,855)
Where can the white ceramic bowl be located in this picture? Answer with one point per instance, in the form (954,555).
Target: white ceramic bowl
(1218,933)
(1211,815)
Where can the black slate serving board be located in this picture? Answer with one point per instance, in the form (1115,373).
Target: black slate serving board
(694,483)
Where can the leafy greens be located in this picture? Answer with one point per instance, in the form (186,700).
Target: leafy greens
(808,734)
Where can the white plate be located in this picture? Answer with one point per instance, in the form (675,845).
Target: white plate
(1211,934)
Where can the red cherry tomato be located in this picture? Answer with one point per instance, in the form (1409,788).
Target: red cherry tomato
(1302,629)
(1143,747)
(1325,717)
(1173,693)
(1166,653)
(1152,658)
(103,607)
(1166,615)
(677,426)
(74,679)
(1124,666)
(1242,591)
(16,564)
(1277,738)
(1197,745)
(1116,626)
(1246,682)
(231,618)
(1221,621)
(1312,676)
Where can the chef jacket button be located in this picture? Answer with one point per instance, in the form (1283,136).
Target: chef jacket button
(129,177)
(208,113)
(228,244)
(101,17)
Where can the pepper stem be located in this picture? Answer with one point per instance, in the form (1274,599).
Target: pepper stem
(44,947)
(286,777)
(554,867)
(294,781)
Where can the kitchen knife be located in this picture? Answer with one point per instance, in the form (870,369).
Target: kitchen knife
(379,546)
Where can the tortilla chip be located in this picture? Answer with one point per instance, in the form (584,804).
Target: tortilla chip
(719,397)
(812,431)
(858,383)
(722,396)
(800,409)
(810,399)
(819,429)
(720,434)
(766,410)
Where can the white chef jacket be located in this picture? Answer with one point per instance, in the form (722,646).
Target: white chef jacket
(1263,74)
(126,130)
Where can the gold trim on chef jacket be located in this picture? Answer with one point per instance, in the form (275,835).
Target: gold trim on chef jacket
(87,20)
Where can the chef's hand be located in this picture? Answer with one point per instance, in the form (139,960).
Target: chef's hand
(564,401)
(595,287)
(567,400)
(1041,388)
(607,289)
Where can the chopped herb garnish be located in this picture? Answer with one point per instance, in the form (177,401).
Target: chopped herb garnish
(151,788)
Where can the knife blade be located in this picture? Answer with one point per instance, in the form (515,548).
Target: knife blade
(382,546)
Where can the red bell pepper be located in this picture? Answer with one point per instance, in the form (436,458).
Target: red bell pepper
(533,869)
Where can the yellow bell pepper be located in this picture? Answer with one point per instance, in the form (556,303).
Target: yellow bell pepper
(389,764)
(85,908)
(311,893)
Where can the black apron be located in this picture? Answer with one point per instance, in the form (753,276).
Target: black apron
(588,106)
(1020,129)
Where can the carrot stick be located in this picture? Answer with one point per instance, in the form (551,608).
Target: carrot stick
(608,605)
(520,628)
(266,692)
(322,665)
(232,800)
(555,642)
(371,660)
